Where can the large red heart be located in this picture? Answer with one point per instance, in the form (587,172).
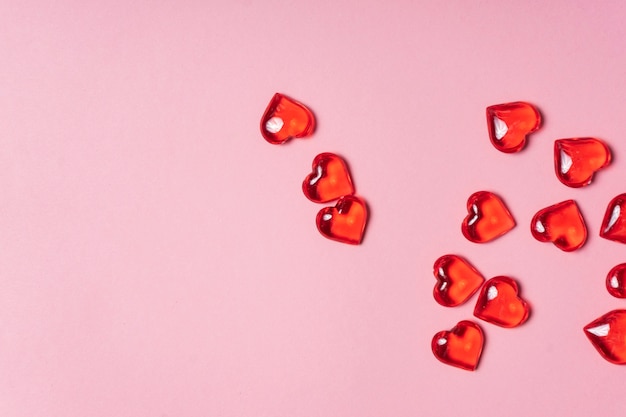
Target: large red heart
(561,224)
(499,303)
(576,160)
(457,280)
(329,179)
(345,222)
(461,346)
(608,335)
(487,219)
(614,222)
(286,118)
(510,123)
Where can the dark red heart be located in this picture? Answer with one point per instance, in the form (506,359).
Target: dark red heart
(457,280)
(500,304)
(487,219)
(561,224)
(286,118)
(616,281)
(576,160)
(345,222)
(608,335)
(509,124)
(461,346)
(614,222)
(329,179)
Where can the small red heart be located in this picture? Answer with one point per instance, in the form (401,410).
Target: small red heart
(499,303)
(561,224)
(614,223)
(286,118)
(576,160)
(329,179)
(616,281)
(461,346)
(487,219)
(510,123)
(345,222)
(607,334)
(457,280)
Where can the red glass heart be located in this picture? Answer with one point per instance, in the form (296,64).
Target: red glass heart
(345,222)
(487,219)
(499,303)
(286,118)
(329,179)
(576,160)
(616,281)
(461,346)
(608,335)
(614,223)
(457,280)
(510,123)
(561,224)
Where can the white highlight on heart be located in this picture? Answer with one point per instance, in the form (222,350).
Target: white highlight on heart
(317,177)
(492,293)
(274,124)
(601,330)
(473,219)
(500,128)
(326,217)
(614,282)
(540,227)
(441,341)
(614,216)
(566,162)
(443,286)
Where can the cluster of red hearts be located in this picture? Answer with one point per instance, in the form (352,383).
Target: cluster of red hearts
(576,161)
(329,180)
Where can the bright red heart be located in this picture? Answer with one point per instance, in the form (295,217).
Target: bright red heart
(499,303)
(608,335)
(457,280)
(576,160)
(510,123)
(461,346)
(561,224)
(616,281)
(286,118)
(329,179)
(345,222)
(614,223)
(487,219)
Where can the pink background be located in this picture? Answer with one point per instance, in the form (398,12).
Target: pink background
(158,257)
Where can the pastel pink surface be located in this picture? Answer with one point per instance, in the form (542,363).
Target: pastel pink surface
(158,257)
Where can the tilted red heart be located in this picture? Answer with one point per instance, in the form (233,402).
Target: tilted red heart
(561,224)
(345,222)
(329,179)
(576,160)
(607,334)
(616,281)
(500,304)
(286,118)
(461,346)
(614,222)
(510,123)
(457,280)
(487,219)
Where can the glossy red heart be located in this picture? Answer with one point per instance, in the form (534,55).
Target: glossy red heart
(461,346)
(561,224)
(457,280)
(345,222)
(329,179)
(509,124)
(614,222)
(286,118)
(576,160)
(616,281)
(608,335)
(500,304)
(487,219)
